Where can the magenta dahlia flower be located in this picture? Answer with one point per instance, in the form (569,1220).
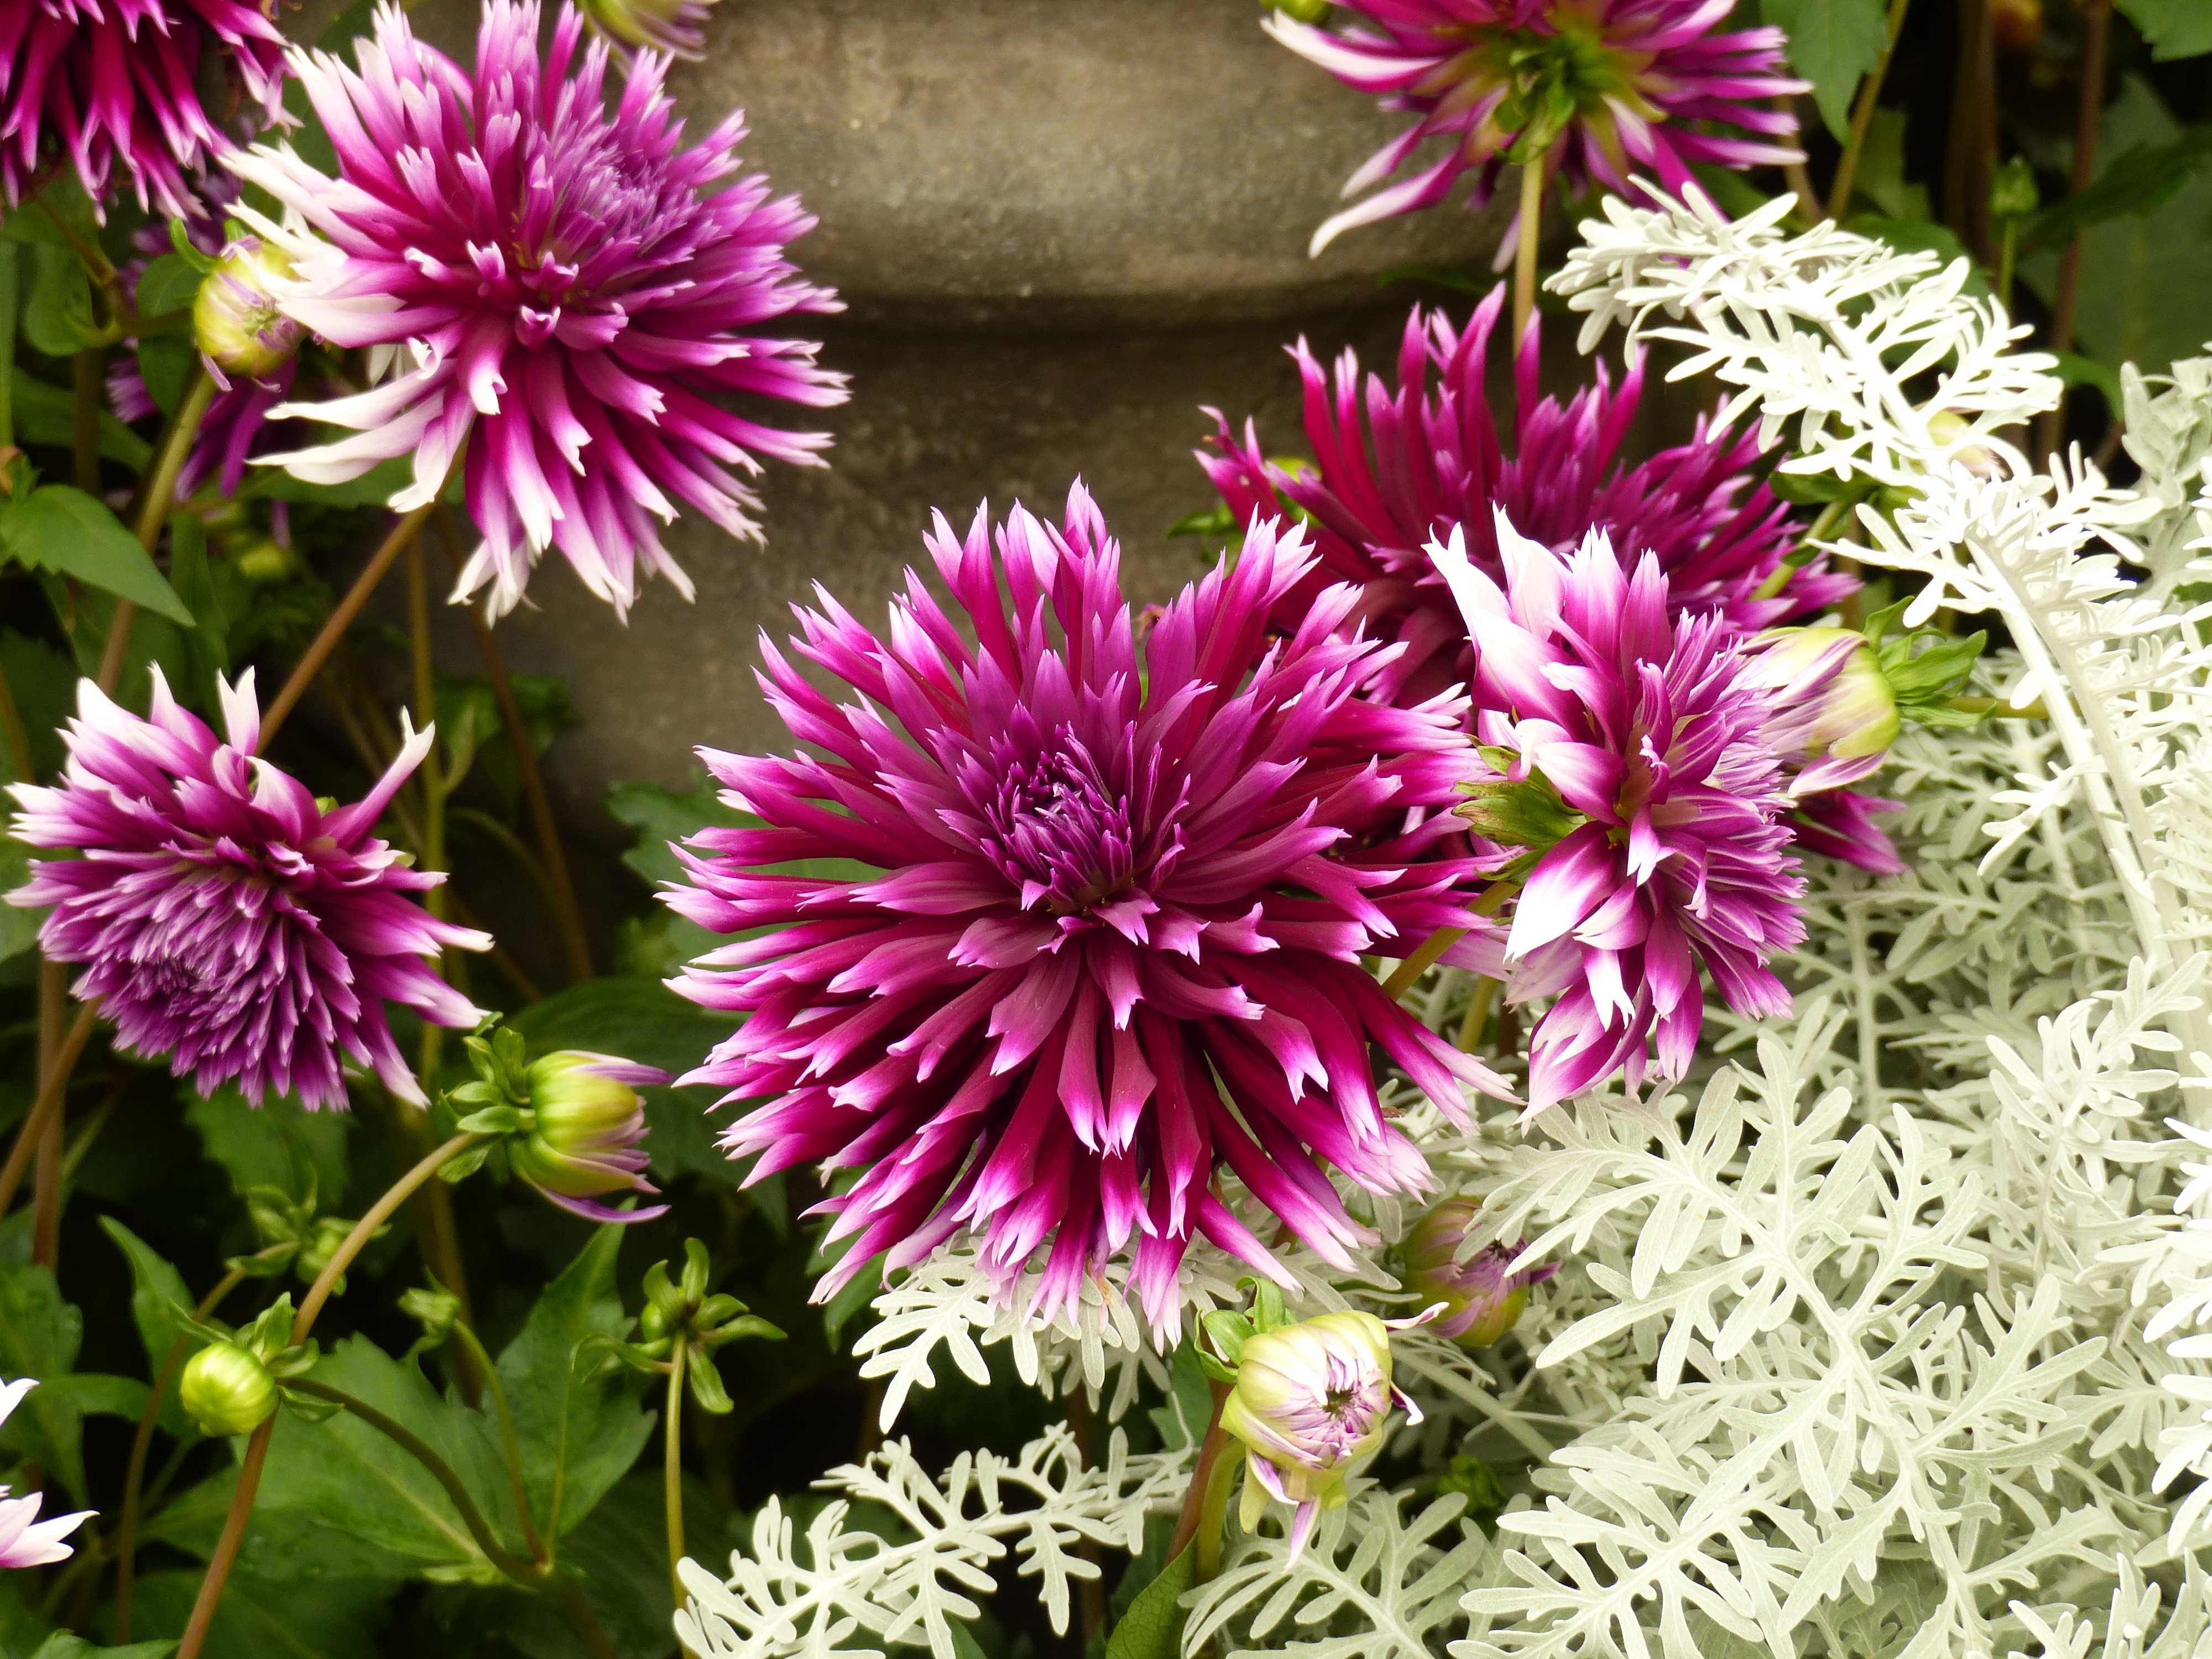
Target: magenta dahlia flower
(1653,730)
(1110,932)
(1633,82)
(26,1540)
(226,918)
(557,290)
(114,85)
(1427,459)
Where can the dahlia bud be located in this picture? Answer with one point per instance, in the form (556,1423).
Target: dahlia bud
(580,1138)
(1517,811)
(236,322)
(227,1390)
(1309,1401)
(1481,1299)
(672,27)
(1847,710)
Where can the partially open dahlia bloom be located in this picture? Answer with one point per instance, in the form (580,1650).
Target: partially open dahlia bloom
(226,918)
(1626,85)
(1397,466)
(1656,733)
(564,294)
(1103,927)
(115,86)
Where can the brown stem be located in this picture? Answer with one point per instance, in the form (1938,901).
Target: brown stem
(257,1449)
(1794,174)
(154,513)
(1201,1474)
(2089,120)
(1847,167)
(566,915)
(48,1105)
(142,1447)
(46,1177)
(340,619)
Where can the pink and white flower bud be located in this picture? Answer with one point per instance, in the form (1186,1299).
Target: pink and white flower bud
(1482,1299)
(586,1132)
(236,321)
(1310,1401)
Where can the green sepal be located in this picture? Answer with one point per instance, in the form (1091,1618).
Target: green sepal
(181,242)
(296,1360)
(308,1408)
(463,1164)
(706,1384)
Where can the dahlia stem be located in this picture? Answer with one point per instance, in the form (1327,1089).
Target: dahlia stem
(1794,173)
(153,513)
(1421,961)
(47,1179)
(510,1441)
(1847,166)
(566,915)
(257,1448)
(47,1105)
(1483,993)
(142,1447)
(1524,251)
(1190,1519)
(2089,118)
(672,1467)
(1996,708)
(340,619)
(15,734)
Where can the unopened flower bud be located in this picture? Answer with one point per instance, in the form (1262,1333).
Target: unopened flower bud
(583,1133)
(672,27)
(1310,1401)
(236,322)
(226,1391)
(321,1244)
(263,561)
(1835,702)
(1956,435)
(1481,1299)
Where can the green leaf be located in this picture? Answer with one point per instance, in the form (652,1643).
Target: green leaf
(19,927)
(62,528)
(2174,28)
(337,1495)
(580,1434)
(159,1296)
(661,815)
(263,1619)
(170,284)
(38,1338)
(45,414)
(62,1645)
(1833,44)
(58,306)
(2131,185)
(1153,1628)
(2076,370)
(274,1145)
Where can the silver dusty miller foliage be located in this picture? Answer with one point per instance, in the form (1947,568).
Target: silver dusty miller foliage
(1889,1333)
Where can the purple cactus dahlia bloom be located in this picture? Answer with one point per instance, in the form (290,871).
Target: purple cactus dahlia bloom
(554,286)
(116,84)
(1427,459)
(1109,930)
(1655,730)
(226,919)
(1625,87)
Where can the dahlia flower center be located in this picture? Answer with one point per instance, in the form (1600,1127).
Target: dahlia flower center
(1061,830)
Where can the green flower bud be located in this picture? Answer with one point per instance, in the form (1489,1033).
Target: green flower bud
(1481,1300)
(321,1244)
(226,1391)
(236,322)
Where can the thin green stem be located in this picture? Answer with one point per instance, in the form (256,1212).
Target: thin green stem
(257,1448)
(141,1446)
(1209,1448)
(671,1472)
(1531,224)
(11,312)
(1847,166)
(510,1441)
(1998,708)
(1421,961)
(1484,992)
(159,498)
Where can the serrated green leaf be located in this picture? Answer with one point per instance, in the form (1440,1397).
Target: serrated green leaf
(1833,44)
(62,528)
(580,1434)
(2174,28)
(159,1296)
(2130,186)
(64,1644)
